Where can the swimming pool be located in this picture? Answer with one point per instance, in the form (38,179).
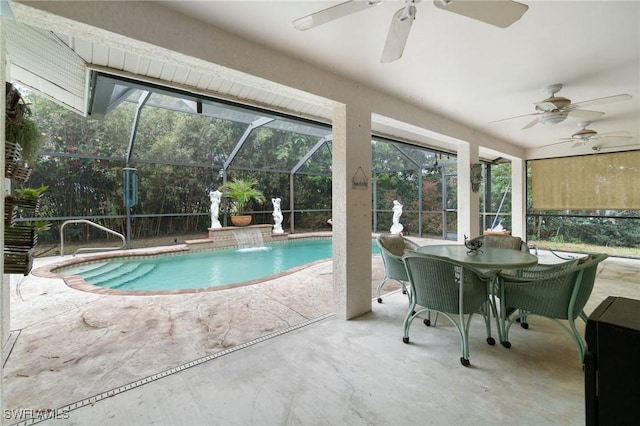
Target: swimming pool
(203,269)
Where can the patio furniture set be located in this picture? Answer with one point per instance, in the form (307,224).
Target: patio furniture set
(491,275)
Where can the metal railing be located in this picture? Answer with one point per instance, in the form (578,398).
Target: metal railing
(90,249)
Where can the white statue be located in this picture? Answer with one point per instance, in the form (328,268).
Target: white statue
(214,196)
(396,227)
(277,216)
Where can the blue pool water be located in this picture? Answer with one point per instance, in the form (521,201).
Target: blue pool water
(205,269)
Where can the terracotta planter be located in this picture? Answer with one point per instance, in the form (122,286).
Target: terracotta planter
(241,220)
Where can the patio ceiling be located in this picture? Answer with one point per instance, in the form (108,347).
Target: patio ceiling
(464,70)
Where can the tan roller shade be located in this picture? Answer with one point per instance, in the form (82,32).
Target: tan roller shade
(590,182)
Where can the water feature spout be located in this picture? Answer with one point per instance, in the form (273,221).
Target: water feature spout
(248,238)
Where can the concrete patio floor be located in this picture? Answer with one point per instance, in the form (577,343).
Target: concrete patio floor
(272,353)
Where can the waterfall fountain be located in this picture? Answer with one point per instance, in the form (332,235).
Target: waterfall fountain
(249,239)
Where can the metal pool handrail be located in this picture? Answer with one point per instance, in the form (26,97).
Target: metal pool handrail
(88,222)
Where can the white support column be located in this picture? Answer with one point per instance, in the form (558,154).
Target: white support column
(519,198)
(468,201)
(5,287)
(351,210)
(4,279)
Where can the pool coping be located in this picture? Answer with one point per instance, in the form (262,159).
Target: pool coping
(76,282)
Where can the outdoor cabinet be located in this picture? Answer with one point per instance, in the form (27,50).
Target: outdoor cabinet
(612,363)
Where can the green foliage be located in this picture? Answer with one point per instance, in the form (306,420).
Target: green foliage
(40,225)
(24,132)
(31,192)
(178,157)
(621,230)
(239,193)
(20,127)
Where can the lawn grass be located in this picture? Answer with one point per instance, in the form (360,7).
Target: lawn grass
(631,252)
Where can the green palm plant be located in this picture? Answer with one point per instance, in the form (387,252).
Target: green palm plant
(239,193)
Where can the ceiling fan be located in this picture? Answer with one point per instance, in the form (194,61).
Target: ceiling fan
(555,109)
(500,13)
(584,136)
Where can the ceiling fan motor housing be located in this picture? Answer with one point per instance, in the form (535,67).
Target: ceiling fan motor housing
(553,104)
(553,117)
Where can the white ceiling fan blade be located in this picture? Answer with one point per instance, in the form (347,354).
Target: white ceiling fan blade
(398,34)
(605,100)
(560,142)
(622,133)
(531,124)
(586,115)
(500,13)
(614,138)
(517,116)
(333,13)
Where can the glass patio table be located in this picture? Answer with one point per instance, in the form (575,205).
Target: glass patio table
(487,258)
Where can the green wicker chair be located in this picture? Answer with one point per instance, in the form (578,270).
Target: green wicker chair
(502,241)
(506,242)
(557,295)
(542,269)
(450,288)
(538,271)
(392,248)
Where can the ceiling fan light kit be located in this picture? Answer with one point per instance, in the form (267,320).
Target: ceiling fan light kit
(500,13)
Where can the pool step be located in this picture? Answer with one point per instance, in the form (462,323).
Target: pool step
(93,270)
(108,275)
(140,271)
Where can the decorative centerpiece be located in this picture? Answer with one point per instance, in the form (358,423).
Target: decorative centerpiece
(472,245)
(238,193)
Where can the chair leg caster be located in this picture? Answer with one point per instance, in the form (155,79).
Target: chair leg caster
(491,341)
(506,344)
(464,361)
(405,339)
(404,291)
(427,322)
(379,299)
(524,325)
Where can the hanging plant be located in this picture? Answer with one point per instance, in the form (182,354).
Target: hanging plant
(25,133)
(20,128)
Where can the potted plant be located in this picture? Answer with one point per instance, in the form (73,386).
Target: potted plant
(20,240)
(26,198)
(23,139)
(238,193)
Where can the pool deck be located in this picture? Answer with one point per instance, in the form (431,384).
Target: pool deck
(88,350)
